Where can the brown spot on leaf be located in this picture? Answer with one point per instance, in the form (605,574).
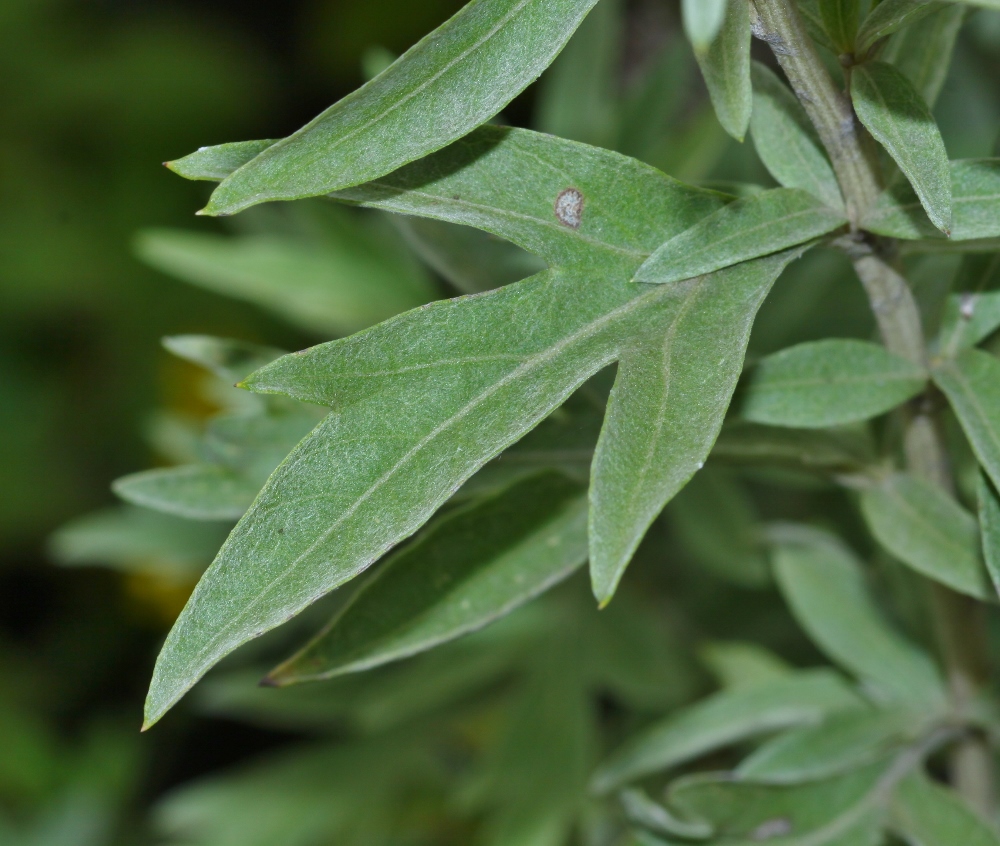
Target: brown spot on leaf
(569,208)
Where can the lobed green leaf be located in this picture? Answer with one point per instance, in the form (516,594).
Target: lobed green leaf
(894,112)
(453,80)
(829,383)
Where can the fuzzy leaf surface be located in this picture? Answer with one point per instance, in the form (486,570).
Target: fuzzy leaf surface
(725,65)
(746,229)
(928,530)
(450,82)
(825,588)
(894,112)
(422,401)
(975,187)
(724,719)
(829,383)
(465,572)
(786,140)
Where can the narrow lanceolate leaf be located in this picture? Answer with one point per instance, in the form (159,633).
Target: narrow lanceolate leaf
(829,383)
(928,530)
(894,112)
(841,743)
(756,226)
(975,186)
(989,525)
(725,65)
(929,814)
(422,401)
(703,20)
(843,811)
(228,359)
(968,319)
(195,491)
(832,451)
(724,719)
(643,811)
(840,20)
(970,383)
(468,570)
(214,164)
(786,140)
(923,50)
(453,80)
(891,15)
(824,585)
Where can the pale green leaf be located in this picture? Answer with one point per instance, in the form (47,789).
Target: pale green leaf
(894,112)
(929,814)
(829,383)
(195,491)
(840,20)
(923,50)
(643,811)
(453,80)
(725,65)
(738,664)
(214,164)
(975,185)
(787,142)
(841,743)
(745,229)
(825,587)
(970,382)
(465,572)
(842,811)
(827,451)
(424,400)
(989,525)
(891,15)
(969,318)
(714,519)
(230,360)
(724,719)
(928,530)
(346,281)
(703,20)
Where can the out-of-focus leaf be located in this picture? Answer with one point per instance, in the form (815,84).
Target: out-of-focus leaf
(829,451)
(928,530)
(929,814)
(969,381)
(447,387)
(461,575)
(969,318)
(136,539)
(736,664)
(348,280)
(842,743)
(989,525)
(643,811)
(891,15)
(922,51)
(724,719)
(829,383)
(840,20)
(228,359)
(703,20)
(842,811)
(975,186)
(745,229)
(786,140)
(714,519)
(577,97)
(893,111)
(824,585)
(725,61)
(195,491)
(446,85)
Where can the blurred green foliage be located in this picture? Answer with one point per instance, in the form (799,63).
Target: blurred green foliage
(440,749)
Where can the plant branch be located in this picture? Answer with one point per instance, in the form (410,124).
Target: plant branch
(853,156)
(959,620)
